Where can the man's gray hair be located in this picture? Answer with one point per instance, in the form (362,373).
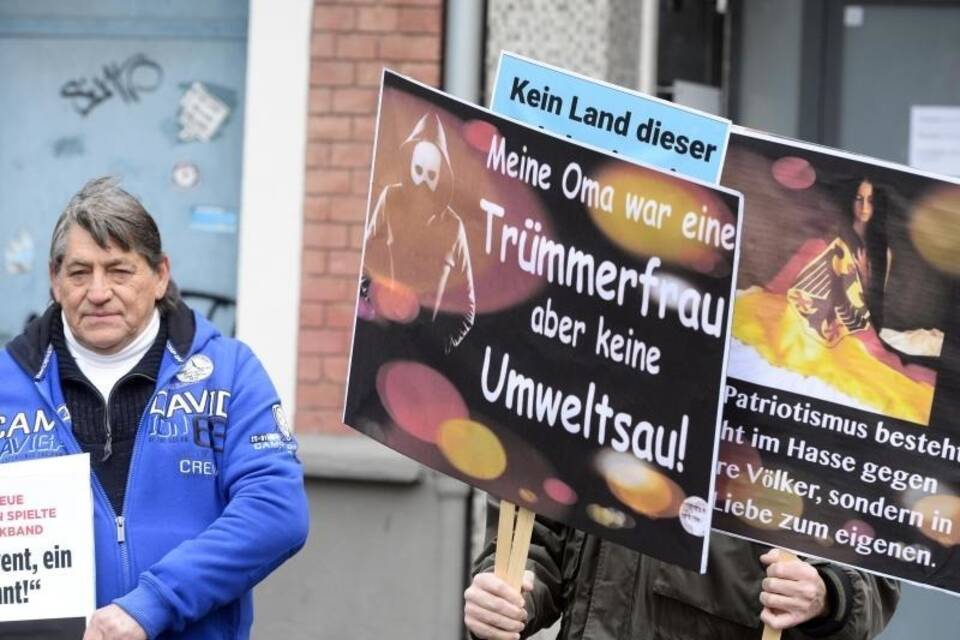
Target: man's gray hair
(111,215)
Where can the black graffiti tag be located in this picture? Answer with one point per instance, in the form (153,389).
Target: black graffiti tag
(136,75)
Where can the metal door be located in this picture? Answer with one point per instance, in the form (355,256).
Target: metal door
(883,59)
(150,92)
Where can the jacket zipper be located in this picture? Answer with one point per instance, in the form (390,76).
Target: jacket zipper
(124,550)
(120,522)
(99,492)
(121,519)
(121,530)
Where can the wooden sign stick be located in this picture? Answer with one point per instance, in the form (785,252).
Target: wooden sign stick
(768,632)
(521,547)
(508,512)
(514,531)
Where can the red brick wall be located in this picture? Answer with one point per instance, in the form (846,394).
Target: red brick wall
(352,41)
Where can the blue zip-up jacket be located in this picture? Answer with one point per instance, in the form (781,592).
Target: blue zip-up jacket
(215,498)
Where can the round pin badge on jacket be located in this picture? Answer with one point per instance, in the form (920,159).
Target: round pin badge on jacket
(198,367)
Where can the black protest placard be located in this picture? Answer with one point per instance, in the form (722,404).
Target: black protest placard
(841,432)
(544,321)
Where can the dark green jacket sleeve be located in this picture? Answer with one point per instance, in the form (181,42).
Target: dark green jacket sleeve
(861,605)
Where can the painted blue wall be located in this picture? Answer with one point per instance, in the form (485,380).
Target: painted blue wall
(95,88)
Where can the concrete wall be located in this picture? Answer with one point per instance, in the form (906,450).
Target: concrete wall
(572,35)
(598,38)
(386,552)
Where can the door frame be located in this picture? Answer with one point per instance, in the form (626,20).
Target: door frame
(272,187)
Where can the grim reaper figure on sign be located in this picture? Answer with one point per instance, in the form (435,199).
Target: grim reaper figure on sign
(416,246)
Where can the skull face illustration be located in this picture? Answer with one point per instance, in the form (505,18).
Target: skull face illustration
(415,247)
(425,165)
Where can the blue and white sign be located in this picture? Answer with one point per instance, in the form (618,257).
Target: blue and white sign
(636,126)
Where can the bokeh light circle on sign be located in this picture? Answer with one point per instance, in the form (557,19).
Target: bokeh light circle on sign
(559,491)
(418,398)
(779,503)
(472,448)
(737,455)
(610,517)
(793,173)
(668,219)
(394,300)
(479,134)
(639,485)
(527,495)
(935,229)
(856,528)
(944,508)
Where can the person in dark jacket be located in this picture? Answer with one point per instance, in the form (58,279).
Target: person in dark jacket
(603,591)
(197,490)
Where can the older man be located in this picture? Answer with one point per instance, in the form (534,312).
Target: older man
(198,494)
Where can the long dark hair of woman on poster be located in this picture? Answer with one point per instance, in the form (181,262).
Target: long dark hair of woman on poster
(866,233)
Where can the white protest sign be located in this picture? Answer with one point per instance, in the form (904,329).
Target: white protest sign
(46,543)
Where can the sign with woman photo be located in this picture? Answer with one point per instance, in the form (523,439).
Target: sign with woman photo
(841,434)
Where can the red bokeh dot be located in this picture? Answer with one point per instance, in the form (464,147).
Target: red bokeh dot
(559,491)
(794,173)
(394,301)
(479,134)
(418,398)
